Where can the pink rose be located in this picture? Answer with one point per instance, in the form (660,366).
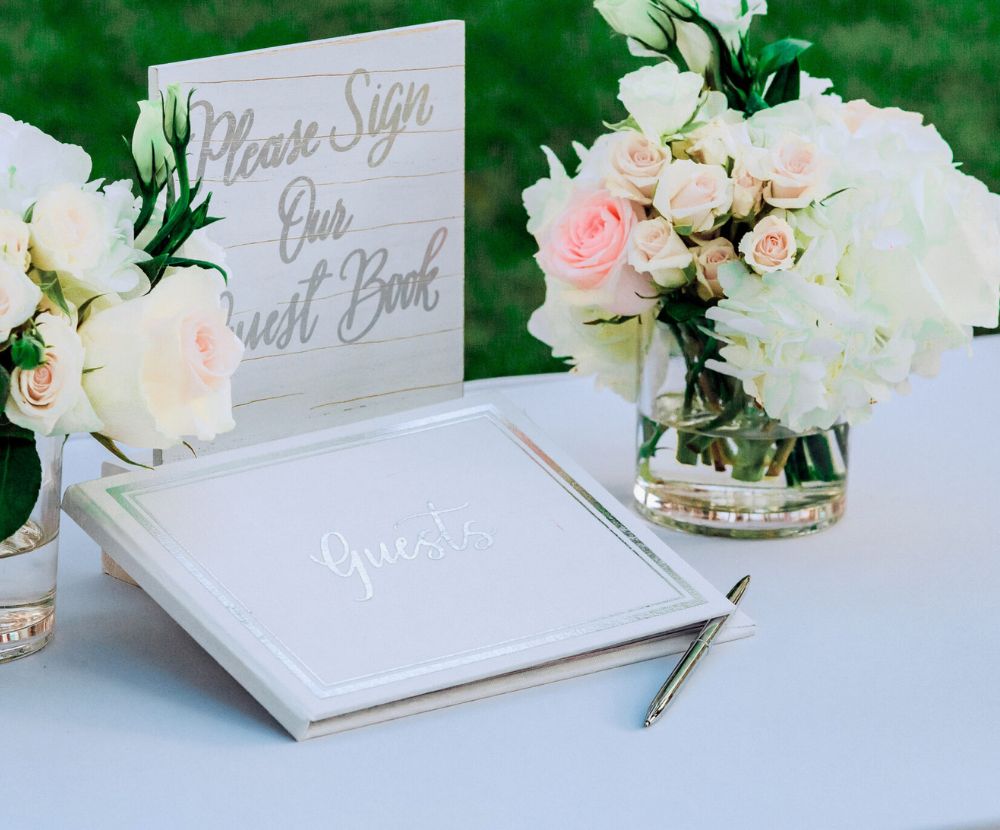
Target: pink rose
(586,249)
(589,241)
(796,174)
(708,257)
(770,246)
(658,250)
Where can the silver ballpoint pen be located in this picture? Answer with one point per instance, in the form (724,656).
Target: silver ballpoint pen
(691,657)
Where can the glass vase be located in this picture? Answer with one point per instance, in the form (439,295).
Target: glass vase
(28,561)
(709,460)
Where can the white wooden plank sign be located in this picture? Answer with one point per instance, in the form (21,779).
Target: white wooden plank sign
(339,168)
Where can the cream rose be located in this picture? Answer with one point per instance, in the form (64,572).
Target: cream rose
(748,192)
(634,164)
(19,297)
(693,196)
(796,173)
(163,362)
(68,230)
(721,139)
(708,257)
(49,399)
(656,249)
(15,237)
(660,98)
(770,246)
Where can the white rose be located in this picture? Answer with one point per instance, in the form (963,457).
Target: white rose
(163,362)
(693,196)
(19,297)
(708,258)
(796,173)
(15,237)
(49,399)
(660,98)
(656,249)
(770,246)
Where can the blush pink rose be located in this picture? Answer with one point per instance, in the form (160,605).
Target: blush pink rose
(797,174)
(589,242)
(708,257)
(635,164)
(770,246)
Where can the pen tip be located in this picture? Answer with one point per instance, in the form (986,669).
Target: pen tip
(648,722)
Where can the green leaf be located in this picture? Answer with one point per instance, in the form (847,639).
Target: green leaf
(85,306)
(9,430)
(683,311)
(611,321)
(774,56)
(619,126)
(116,451)
(51,287)
(785,86)
(4,386)
(832,195)
(20,482)
(183,262)
(755,103)
(27,350)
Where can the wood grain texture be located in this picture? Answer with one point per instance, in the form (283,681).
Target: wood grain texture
(339,168)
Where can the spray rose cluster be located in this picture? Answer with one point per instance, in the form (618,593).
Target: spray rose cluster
(821,251)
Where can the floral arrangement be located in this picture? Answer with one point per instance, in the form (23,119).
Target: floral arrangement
(808,254)
(110,314)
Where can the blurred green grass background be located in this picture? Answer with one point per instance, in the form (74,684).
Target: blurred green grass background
(537,73)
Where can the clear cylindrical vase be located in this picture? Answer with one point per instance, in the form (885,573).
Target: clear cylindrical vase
(709,460)
(28,562)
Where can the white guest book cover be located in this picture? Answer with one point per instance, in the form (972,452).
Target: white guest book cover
(369,571)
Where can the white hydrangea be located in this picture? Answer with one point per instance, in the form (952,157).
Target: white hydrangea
(806,351)
(892,271)
(609,352)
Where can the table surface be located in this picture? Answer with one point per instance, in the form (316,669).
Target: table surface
(869,696)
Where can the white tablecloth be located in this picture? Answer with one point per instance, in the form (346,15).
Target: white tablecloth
(869,697)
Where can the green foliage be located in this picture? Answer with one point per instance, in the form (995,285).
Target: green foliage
(538,73)
(27,350)
(52,288)
(20,478)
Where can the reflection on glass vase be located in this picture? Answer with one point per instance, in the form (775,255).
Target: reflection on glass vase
(710,461)
(28,562)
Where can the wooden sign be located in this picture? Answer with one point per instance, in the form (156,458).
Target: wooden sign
(339,168)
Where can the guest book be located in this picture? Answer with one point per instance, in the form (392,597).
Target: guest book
(358,574)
